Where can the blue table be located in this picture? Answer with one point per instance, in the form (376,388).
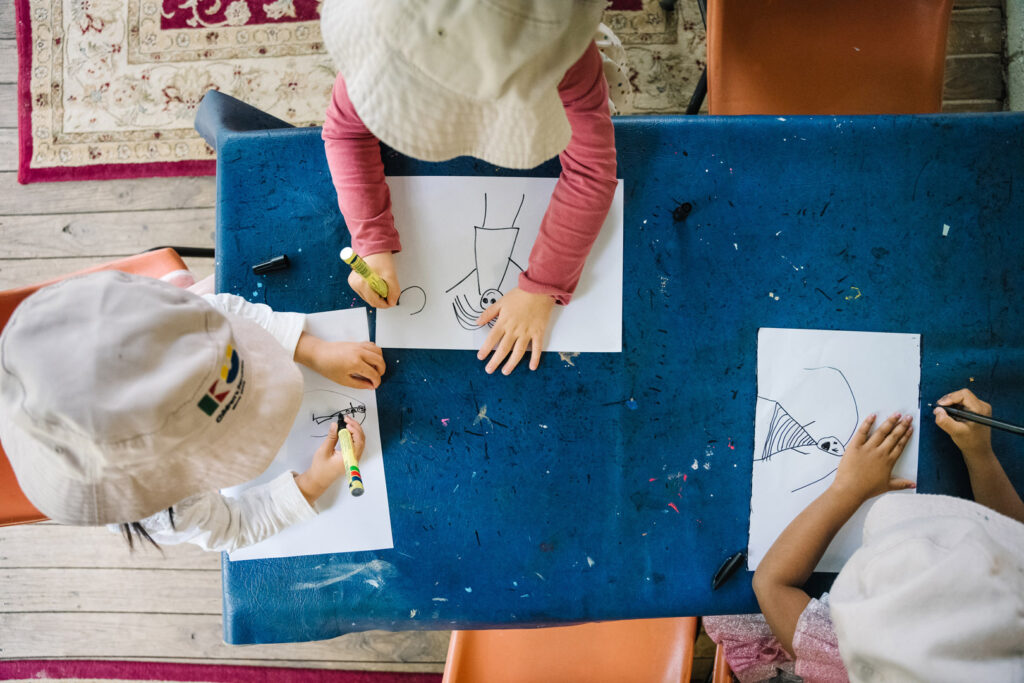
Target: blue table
(546,497)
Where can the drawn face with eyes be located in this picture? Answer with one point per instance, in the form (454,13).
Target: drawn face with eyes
(489,297)
(831,445)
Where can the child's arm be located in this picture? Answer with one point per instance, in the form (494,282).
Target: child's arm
(865,471)
(991,486)
(353,156)
(570,226)
(359,365)
(216,522)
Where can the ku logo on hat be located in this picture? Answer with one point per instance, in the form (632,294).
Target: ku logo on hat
(219,390)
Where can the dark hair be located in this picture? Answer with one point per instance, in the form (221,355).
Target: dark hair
(134,531)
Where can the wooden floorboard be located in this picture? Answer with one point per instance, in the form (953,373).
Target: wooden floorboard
(115,233)
(103,634)
(97,196)
(8,60)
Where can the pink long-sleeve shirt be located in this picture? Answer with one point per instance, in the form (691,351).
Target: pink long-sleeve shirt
(578,205)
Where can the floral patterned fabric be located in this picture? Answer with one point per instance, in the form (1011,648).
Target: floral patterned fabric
(109,88)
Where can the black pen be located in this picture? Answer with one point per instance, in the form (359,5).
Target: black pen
(962,414)
(727,569)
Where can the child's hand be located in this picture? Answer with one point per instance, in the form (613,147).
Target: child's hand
(973,440)
(384,265)
(865,470)
(359,365)
(328,464)
(522,322)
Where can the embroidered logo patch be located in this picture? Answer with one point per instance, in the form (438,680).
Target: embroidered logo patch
(219,390)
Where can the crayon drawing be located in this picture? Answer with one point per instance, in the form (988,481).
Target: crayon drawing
(814,387)
(466,242)
(493,270)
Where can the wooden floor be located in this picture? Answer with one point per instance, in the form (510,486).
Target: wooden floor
(78,593)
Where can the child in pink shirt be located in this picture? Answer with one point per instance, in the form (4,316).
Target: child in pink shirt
(512,88)
(890,615)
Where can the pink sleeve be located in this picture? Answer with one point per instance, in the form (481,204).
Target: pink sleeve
(585,188)
(353,155)
(816,647)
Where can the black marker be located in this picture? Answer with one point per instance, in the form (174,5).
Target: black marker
(962,414)
(727,569)
(277,263)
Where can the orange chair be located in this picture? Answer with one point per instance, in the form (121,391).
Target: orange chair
(827,56)
(641,650)
(14,506)
(721,673)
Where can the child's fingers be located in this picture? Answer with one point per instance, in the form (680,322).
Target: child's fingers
(535,349)
(358,437)
(492,339)
(947,424)
(518,351)
(883,430)
(361,287)
(901,484)
(897,450)
(369,373)
(968,400)
(861,435)
(489,314)
(898,430)
(372,355)
(504,347)
(330,442)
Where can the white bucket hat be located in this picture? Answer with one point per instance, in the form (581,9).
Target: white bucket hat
(437,79)
(936,593)
(122,395)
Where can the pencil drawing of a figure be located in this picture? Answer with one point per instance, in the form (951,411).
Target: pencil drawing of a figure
(818,425)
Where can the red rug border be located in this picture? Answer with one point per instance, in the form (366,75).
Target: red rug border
(23,38)
(214,673)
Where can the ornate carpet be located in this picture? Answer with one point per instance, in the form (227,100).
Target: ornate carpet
(109,88)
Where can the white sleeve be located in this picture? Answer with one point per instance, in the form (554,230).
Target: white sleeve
(216,522)
(286,327)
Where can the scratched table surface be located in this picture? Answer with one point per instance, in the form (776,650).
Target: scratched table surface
(609,486)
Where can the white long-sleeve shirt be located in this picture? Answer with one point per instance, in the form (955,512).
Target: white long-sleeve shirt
(213,521)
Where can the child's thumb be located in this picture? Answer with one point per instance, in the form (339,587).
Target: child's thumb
(901,484)
(943,421)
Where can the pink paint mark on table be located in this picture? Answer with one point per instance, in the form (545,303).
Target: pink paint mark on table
(445,421)
(673,506)
(652,479)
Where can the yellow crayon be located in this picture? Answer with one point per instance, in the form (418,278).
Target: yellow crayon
(348,451)
(377,284)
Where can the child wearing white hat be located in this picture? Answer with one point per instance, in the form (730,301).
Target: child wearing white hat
(126,400)
(935,593)
(512,82)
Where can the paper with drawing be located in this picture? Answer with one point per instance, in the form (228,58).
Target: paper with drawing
(814,387)
(345,523)
(464,242)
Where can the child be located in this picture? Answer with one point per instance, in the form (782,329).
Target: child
(512,85)
(125,400)
(887,613)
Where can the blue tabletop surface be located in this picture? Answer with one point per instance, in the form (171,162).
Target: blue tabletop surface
(546,496)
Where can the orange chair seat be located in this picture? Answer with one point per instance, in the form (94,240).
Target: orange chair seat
(826,57)
(640,650)
(15,508)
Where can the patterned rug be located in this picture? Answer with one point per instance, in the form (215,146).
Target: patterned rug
(67,671)
(109,88)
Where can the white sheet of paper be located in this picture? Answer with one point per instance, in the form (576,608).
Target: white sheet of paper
(346,523)
(814,387)
(455,261)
